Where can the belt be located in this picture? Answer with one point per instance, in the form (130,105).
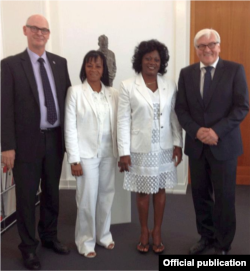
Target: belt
(49,130)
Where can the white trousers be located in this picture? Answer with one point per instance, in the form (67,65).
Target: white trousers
(95,191)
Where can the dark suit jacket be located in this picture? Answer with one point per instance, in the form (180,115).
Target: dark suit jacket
(20,112)
(227,106)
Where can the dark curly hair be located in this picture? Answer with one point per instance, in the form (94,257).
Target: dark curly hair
(94,55)
(146,47)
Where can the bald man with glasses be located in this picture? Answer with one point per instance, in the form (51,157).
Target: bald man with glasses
(33,90)
(211,103)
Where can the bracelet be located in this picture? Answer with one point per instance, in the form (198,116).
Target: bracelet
(75,164)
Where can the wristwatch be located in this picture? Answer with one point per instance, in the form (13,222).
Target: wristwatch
(75,164)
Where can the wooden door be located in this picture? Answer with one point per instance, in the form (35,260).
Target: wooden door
(231,19)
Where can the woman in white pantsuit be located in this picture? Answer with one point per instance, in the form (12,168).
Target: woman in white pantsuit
(90,137)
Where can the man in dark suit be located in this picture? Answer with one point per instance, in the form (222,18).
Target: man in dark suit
(211,103)
(33,90)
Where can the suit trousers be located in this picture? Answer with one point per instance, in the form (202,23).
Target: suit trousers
(95,191)
(213,189)
(46,169)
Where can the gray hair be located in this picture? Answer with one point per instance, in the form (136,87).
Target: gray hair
(206,32)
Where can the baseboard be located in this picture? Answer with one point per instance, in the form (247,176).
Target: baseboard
(180,188)
(67,184)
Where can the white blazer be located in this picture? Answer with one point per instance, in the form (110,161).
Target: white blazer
(81,124)
(135,116)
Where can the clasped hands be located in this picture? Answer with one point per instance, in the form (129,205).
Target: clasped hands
(207,136)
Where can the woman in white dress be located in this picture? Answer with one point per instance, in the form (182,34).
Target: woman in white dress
(90,138)
(149,136)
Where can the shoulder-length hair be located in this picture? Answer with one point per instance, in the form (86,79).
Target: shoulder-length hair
(94,55)
(149,46)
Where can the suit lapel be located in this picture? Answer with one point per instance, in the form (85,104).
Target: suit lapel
(163,90)
(109,97)
(27,66)
(217,77)
(55,70)
(88,92)
(196,75)
(141,87)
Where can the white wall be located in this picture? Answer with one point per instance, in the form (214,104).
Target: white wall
(125,23)
(75,27)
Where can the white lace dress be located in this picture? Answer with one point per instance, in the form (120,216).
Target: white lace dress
(155,170)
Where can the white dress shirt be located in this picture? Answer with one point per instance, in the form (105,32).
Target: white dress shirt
(104,126)
(43,109)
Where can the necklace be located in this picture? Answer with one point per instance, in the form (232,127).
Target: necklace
(150,83)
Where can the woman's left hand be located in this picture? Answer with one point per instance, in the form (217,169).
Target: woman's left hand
(177,155)
(76,170)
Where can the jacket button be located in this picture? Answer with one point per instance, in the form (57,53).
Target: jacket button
(161,127)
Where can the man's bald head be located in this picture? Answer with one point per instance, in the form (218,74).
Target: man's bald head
(37,19)
(37,32)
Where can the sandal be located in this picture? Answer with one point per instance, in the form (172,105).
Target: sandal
(110,246)
(143,248)
(156,247)
(91,254)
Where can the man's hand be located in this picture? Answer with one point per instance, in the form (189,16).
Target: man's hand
(124,163)
(8,158)
(207,136)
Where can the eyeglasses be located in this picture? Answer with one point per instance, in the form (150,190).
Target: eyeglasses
(210,45)
(35,29)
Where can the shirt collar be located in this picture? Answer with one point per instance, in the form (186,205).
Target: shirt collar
(97,93)
(212,65)
(34,57)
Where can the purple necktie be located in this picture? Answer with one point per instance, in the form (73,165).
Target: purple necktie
(49,99)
